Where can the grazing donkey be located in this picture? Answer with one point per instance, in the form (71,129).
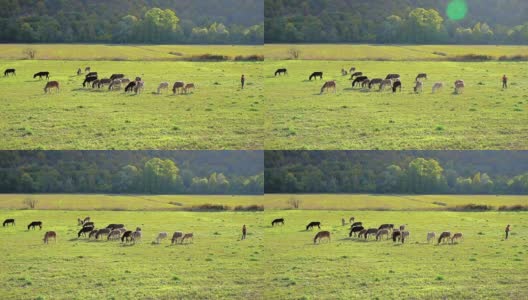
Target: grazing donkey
(381,233)
(418,87)
(90,80)
(355,230)
(444,236)
(320,235)
(84,230)
(277,221)
(404,235)
(50,235)
(35,224)
(175,236)
(161,236)
(329,85)
(8,221)
(188,236)
(371,231)
(101,232)
(281,71)
(374,81)
(431,236)
(103,82)
(117,76)
(356,74)
(459,86)
(396,85)
(421,76)
(115,226)
(315,75)
(457,236)
(313,224)
(396,235)
(91,74)
(114,235)
(115,85)
(188,87)
(359,80)
(437,86)
(386,226)
(130,86)
(163,86)
(9,72)
(51,85)
(126,236)
(140,85)
(385,83)
(178,86)
(41,74)
(392,76)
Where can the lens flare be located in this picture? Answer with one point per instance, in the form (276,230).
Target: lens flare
(457,10)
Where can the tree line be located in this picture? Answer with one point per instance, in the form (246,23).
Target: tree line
(405,21)
(137,21)
(426,172)
(151,172)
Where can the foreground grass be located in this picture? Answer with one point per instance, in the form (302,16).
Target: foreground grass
(483,117)
(388,52)
(278,263)
(123,52)
(216,265)
(482,266)
(218,115)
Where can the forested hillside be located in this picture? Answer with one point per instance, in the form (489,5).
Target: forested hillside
(154,172)
(402,21)
(421,172)
(132,21)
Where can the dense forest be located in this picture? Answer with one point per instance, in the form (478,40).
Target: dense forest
(419,172)
(152,172)
(132,21)
(402,21)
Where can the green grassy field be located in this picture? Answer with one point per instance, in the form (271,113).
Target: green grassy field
(388,52)
(483,117)
(122,52)
(217,115)
(482,266)
(216,265)
(272,263)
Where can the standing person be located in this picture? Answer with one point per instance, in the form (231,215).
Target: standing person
(507,231)
(244,232)
(504,81)
(242,81)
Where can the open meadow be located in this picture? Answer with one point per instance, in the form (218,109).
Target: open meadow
(273,262)
(217,264)
(483,116)
(216,115)
(481,266)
